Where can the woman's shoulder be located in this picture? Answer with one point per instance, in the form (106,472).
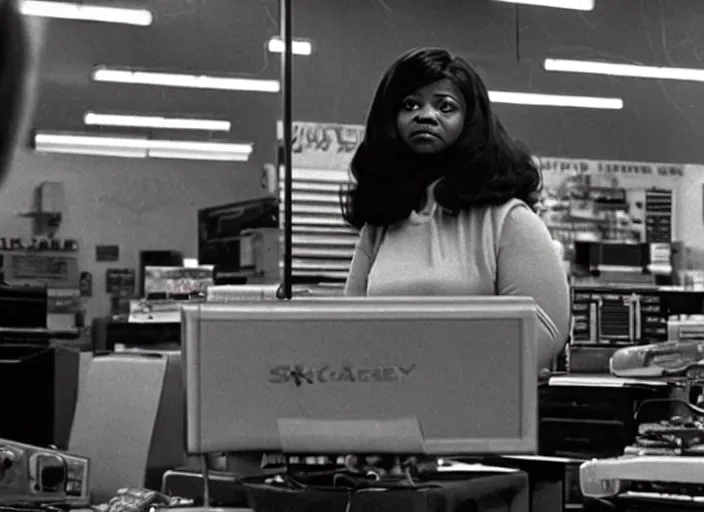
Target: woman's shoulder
(496,219)
(516,218)
(498,213)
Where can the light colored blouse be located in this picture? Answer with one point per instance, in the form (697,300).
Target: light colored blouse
(494,250)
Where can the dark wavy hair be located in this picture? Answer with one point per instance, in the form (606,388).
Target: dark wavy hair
(484,167)
(14,55)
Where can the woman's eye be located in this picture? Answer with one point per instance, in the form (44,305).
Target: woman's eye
(448,107)
(410,105)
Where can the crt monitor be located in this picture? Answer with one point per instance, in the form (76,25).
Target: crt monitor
(220,229)
(344,375)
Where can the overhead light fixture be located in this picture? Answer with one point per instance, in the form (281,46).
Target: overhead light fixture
(625,70)
(86,12)
(164,79)
(555,100)
(576,5)
(298,46)
(140,147)
(157,122)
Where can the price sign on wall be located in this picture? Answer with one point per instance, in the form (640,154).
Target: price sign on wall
(39,244)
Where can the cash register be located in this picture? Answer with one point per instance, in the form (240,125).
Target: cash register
(317,377)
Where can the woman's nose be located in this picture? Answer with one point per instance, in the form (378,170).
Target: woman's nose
(426,114)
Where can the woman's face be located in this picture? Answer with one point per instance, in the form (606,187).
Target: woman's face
(432,118)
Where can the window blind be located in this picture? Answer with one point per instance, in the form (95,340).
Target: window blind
(322,242)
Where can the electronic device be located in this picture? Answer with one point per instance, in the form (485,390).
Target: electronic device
(30,474)
(669,358)
(627,314)
(392,375)
(617,314)
(646,477)
(677,300)
(586,416)
(23,307)
(685,328)
(41,384)
(220,230)
(156,258)
(178,283)
(661,467)
(225,489)
(596,257)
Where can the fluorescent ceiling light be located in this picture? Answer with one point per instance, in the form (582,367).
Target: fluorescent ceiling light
(577,5)
(125,76)
(298,46)
(86,12)
(168,123)
(555,100)
(627,70)
(140,147)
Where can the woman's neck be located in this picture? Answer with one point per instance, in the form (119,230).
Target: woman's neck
(429,168)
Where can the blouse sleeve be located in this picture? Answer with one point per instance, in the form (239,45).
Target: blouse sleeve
(530,266)
(356,284)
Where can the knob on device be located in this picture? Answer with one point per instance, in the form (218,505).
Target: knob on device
(49,473)
(8,463)
(7,459)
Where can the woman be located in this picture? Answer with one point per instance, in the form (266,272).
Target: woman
(14,83)
(444,197)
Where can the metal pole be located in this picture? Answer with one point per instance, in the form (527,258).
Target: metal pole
(286,80)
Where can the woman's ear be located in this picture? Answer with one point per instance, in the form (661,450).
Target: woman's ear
(14,63)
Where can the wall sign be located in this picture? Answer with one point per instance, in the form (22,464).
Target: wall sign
(107,252)
(39,244)
(580,166)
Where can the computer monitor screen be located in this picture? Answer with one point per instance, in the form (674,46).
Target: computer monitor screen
(337,375)
(220,230)
(176,281)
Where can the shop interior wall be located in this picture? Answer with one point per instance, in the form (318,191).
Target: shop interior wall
(661,122)
(152,204)
(146,204)
(137,205)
